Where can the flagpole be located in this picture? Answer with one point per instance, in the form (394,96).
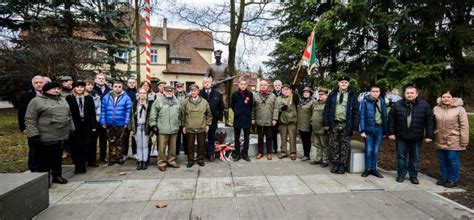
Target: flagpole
(300,63)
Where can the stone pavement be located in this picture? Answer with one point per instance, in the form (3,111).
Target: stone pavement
(261,189)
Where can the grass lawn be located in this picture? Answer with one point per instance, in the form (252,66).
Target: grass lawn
(13,144)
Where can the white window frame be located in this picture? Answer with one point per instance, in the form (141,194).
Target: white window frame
(154,56)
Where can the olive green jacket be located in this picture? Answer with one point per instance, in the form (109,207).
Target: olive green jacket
(166,115)
(196,115)
(305,111)
(317,118)
(263,111)
(288,116)
(50,118)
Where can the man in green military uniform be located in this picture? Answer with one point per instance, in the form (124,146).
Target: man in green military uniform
(320,135)
(197,118)
(181,95)
(165,117)
(286,108)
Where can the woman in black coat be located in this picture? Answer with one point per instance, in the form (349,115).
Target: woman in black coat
(83,115)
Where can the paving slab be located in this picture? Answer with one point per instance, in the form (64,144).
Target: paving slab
(214,187)
(275,169)
(134,191)
(215,169)
(322,183)
(168,189)
(433,205)
(307,207)
(264,207)
(217,208)
(176,209)
(120,210)
(114,172)
(288,185)
(390,207)
(67,211)
(355,182)
(91,193)
(252,186)
(348,206)
(244,168)
(304,168)
(151,173)
(59,191)
(182,172)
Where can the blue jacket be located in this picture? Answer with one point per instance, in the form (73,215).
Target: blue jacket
(352,111)
(115,114)
(367,116)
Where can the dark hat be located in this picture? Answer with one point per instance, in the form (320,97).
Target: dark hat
(344,78)
(66,78)
(154,79)
(218,53)
(193,86)
(321,89)
(308,89)
(79,83)
(285,86)
(179,84)
(162,82)
(50,85)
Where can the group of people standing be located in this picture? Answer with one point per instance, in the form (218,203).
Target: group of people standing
(77,114)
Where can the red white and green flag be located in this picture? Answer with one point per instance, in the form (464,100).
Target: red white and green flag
(309,55)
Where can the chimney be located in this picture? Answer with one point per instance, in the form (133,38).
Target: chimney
(165,30)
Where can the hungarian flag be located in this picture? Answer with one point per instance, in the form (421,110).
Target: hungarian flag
(309,55)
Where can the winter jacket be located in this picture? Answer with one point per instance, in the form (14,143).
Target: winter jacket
(166,115)
(96,90)
(132,93)
(422,120)
(50,118)
(286,109)
(452,126)
(89,122)
(367,116)
(216,103)
(115,114)
(317,118)
(181,96)
(263,111)
(352,111)
(133,125)
(305,111)
(25,99)
(196,115)
(242,105)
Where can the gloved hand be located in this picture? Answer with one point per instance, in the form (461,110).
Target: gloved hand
(155,130)
(284,108)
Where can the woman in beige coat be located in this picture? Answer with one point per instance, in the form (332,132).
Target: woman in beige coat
(451,137)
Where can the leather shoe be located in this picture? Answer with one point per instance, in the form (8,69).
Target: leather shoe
(341,169)
(144,166)
(212,158)
(334,168)
(441,182)
(120,162)
(269,156)
(173,165)
(281,156)
(190,164)
(450,184)
(400,179)
(365,173)
(237,157)
(324,164)
(59,180)
(139,165)
(110,163)
(92,165)
(259,155)
(305,159)
(293,157)
(162,168)
(414,180)
(376,173)
(315,162)
(245,156)
(201,163)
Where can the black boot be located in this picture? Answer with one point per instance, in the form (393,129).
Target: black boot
(237,156)
(245,156)
(144,165)
(139,165)
(335,167)
(341,169)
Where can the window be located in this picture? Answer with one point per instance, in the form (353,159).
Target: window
(178,61)
(173,83)
(187,86)
(154,56)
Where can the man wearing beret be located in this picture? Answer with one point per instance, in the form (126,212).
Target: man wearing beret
(285,107)
(320,135)
(341,119)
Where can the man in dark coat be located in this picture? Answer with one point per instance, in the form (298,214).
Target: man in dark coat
(341,119)
(101,89)
(410,120)
(242,104)
(83,115)
(37,82)
(216,103)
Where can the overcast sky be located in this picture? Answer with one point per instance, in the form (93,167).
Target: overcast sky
(254,60)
